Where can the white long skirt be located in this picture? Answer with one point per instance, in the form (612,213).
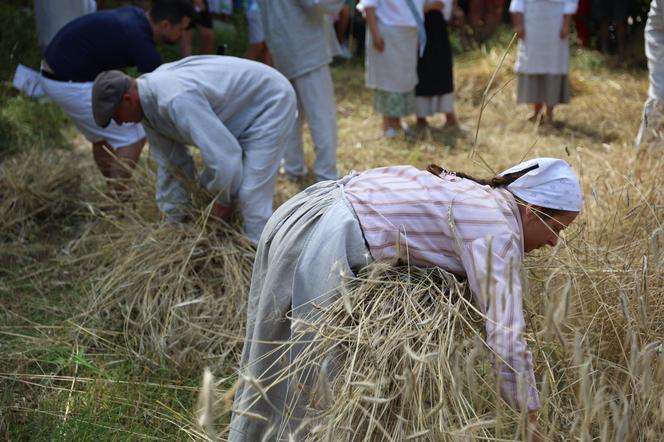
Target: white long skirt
(542,51)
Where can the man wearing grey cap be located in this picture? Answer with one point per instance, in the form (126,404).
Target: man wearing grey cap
(239,113)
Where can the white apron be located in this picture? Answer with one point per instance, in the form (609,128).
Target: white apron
(394,69)
(542,51)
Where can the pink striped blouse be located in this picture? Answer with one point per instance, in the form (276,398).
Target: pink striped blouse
(465,228)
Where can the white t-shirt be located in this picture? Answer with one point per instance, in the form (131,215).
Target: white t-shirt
(394,12)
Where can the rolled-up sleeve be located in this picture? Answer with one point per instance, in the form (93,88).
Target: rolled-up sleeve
(363,4)
(174,164)
(570,7)
(493,268)
(222,154)
(517,6)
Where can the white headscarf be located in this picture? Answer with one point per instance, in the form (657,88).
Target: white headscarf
(552,185)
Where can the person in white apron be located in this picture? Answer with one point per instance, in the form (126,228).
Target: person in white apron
(434,92)
(391,57)
(542,63)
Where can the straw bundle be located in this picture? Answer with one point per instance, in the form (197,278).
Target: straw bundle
(174,294)
(397,357)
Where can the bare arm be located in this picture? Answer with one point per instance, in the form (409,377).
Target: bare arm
(517,22)
(372,22)
(534,434)
(564,30)
(220,213)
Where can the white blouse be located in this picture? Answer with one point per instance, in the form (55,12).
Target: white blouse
(569,9)
(393,12)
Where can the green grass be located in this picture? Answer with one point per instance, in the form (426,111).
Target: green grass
(26,124)
(19,38)
(53,388)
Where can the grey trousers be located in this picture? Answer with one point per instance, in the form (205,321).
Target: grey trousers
(308,247)
(315,102)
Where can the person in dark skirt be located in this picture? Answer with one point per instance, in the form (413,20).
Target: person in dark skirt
(435,91)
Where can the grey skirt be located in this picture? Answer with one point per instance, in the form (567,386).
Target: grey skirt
(549,89)
(309,246)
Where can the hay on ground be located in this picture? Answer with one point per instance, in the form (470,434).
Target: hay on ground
(173,294)
(401,349)
(36,188)
(39,197)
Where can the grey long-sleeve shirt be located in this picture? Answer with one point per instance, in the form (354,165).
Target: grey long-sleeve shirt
(296,35)
(223,105)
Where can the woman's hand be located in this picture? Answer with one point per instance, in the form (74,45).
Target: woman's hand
(372,22)
(378,42)
(220,213)
(564,29)
(534,434)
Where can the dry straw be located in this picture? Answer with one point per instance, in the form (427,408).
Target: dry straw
(40,203)
(171,294)
(37,190)
(176,294)
(400,353)
(397,357)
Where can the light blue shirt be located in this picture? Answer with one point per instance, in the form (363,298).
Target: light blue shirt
(296,34)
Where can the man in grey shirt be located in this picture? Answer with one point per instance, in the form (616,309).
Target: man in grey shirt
(239,113)
(296,33)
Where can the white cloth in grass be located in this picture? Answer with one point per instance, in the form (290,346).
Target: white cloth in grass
(552,185)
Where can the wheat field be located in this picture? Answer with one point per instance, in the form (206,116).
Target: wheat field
(108,317)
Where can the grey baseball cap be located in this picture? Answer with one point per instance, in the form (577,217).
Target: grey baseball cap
(107,92)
